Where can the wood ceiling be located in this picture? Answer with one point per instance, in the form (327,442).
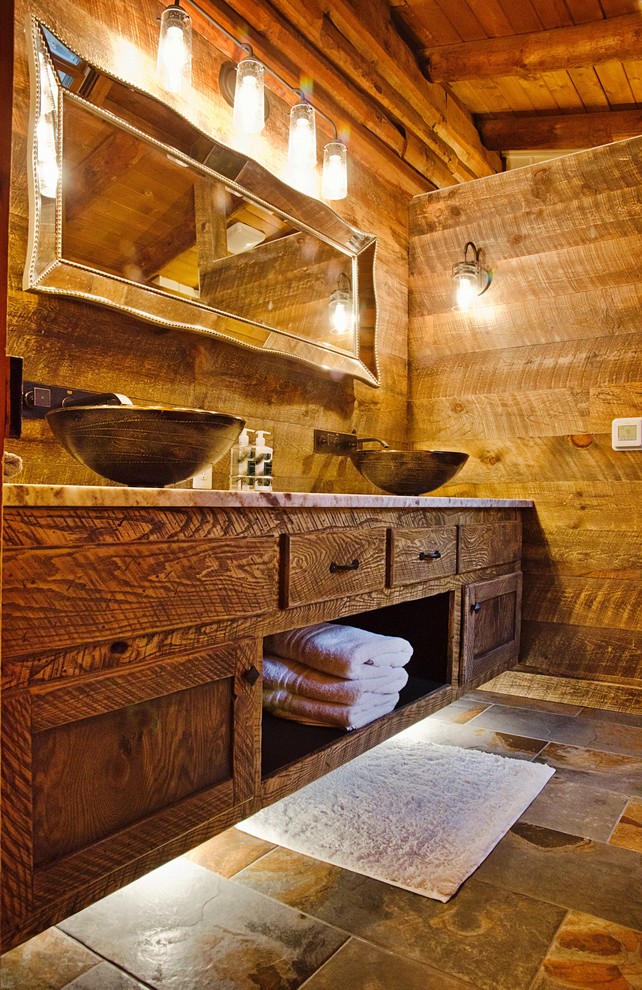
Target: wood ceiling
(447,85)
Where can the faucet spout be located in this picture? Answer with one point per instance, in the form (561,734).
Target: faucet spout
(361,440)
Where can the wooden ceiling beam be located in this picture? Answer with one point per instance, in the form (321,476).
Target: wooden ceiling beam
(574,130)
(614,38)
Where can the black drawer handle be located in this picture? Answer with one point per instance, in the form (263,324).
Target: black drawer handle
(433,555)
(344,567)
(476,607)
(251,675)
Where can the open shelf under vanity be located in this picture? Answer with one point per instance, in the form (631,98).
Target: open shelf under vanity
(426,624)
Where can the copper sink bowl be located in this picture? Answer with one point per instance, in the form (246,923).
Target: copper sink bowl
(408,472)
(144,446)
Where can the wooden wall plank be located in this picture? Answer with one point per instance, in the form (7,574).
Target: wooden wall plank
(528,382)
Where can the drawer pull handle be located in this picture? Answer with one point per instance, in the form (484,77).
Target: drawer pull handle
(251,675)
(433,555)
(344,567)
(476,607)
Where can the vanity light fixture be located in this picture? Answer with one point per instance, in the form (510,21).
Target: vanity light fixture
(242,86)
(341,307)
(174,62)
(470,279)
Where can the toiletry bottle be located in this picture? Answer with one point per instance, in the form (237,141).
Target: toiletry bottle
(203,480)
(239,458)
(263,462)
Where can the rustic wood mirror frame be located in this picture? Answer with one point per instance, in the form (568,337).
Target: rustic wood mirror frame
(48,271)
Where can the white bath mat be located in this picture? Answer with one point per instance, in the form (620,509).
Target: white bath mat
(409,812)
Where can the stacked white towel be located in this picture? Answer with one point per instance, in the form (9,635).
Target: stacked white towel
(333,674)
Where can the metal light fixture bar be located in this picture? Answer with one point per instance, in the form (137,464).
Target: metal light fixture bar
(335,152)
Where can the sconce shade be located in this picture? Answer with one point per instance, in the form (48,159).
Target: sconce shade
(302,148)
(341,307)
(334,184)
(249,98)
(174,63)
(470,279)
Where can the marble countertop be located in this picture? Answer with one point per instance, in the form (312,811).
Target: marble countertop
(99,496)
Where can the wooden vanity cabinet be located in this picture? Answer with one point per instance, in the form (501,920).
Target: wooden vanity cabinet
(132,647)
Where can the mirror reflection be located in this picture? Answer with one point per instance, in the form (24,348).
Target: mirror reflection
(133,207)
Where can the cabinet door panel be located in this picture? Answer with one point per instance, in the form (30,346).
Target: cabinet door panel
(491,625)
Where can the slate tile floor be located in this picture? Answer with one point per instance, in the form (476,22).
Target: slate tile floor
(556,906)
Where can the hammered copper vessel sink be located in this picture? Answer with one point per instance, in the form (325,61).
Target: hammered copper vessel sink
(408,472)
(144,446)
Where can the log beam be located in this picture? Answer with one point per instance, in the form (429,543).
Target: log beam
(614,38)
(565,131)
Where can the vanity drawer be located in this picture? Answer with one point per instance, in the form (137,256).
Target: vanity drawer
(484,544)
(421,554)
(318,566)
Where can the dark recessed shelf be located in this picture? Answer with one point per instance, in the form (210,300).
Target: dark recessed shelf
(425,623)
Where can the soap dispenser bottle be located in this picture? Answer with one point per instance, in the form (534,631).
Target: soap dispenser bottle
(242,463)
(263,459)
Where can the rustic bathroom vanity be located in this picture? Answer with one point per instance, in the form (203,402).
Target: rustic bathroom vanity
(132,642)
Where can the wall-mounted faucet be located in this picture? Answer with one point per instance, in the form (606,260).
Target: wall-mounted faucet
(38,399)
(342,444)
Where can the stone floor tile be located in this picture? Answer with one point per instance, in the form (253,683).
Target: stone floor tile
(228,852)
(105,977)
(577,809)
(579,874)
(470,737)
(491,938)
(49,961)
(460,711)
(185,928)
(591,954)
(628,831)
(518,701)
(362,966)
(607,737)
(608,771)
(601,715)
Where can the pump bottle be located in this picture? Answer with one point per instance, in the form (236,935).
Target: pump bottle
(263,460)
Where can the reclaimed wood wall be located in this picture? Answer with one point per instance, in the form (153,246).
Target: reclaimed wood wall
(70,343)
(528,383)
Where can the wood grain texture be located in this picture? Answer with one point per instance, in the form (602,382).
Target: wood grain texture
(69,594)
(491,626)
(481,545)
(17,822)
(320,566)
(528,383)
(421,554)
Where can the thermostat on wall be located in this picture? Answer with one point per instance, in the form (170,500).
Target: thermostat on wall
(626,434)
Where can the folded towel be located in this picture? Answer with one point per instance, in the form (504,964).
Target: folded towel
(313,712)
(295,677)
(343,650)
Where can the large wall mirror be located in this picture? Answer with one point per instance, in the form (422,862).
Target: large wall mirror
(135,208)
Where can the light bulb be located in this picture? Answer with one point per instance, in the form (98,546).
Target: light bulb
(341,309)
(249,97)
(335,171)
(174,64)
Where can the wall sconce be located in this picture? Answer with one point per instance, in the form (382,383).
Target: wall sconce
(174,62)
(242,86)
(470,280)
(341,307)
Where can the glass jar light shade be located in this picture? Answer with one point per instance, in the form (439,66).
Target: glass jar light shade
(249,97)
(302,147)
(466,286)
(334,184)
(341,308)
(174,63)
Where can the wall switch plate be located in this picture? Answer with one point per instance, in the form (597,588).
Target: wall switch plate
(626,434)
